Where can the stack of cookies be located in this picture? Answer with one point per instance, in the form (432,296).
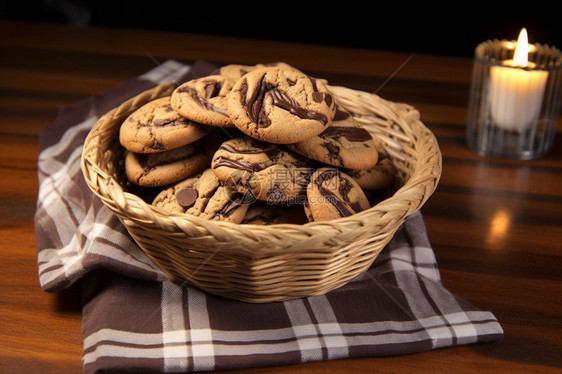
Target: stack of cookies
(256,144)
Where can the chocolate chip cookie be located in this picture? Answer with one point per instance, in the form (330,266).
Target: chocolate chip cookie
(262,171)
(379,177)
(345,143)
(233,72)
(333,194)
(156,127)
(203,100)
(160,169)
(280,105)
(204,196)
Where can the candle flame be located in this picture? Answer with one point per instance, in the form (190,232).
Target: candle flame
(521,49)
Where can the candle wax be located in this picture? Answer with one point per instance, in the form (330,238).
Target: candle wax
(516,95)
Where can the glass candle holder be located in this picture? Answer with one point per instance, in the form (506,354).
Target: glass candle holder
(513,110)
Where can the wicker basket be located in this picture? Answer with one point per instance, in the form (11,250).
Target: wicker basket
(257,263)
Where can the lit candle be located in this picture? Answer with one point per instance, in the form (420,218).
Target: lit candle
(516,90)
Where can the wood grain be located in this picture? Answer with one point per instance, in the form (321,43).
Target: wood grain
(495,225)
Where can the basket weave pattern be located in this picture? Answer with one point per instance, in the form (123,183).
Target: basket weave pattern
(256,263)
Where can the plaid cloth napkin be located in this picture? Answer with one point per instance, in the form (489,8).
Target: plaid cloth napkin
(135,319)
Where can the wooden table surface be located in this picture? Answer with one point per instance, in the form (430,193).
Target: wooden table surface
(495,224)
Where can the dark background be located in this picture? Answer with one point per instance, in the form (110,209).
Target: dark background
(453,28)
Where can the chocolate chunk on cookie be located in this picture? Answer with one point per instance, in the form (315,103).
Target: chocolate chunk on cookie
(345,143)
(333,194)
(260,170)
(156,127)
(160,169)
(180,197)
(204,100)
(204,196)
(280,105)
